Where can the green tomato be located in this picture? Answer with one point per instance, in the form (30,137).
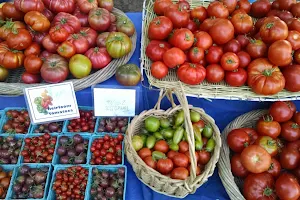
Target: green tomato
(195,116)
(144,138)
(174,147)
(158,155)
(210,145)
(158,136)
(179,118)
(144,131)
(3,74)
(152,124)
(178,135)
(167,133)
(137,142)
(164,123)
(207,131)
(198,145)
(80,66)
(150,142)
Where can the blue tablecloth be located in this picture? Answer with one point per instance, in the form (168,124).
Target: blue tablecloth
(222,111)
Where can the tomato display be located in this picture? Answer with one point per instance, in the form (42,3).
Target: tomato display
(160,28)
(282,111)
(287,187)
(179,17)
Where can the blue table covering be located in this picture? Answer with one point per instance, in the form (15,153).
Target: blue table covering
(223,111)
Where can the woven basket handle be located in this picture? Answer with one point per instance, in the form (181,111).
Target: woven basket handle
(162,94)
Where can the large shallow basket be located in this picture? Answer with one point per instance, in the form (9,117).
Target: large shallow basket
(13,85)
(233,185)
(152,178)
(206,90)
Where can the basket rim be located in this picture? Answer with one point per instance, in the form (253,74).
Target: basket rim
(204,90)
(224,166)
(16,89)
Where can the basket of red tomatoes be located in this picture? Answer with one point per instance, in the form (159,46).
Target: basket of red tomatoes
(53,41)
(226,49)
(260,157)
(173,151)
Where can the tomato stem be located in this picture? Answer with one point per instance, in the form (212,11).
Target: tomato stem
(268,118)
(268,191)
(268,72)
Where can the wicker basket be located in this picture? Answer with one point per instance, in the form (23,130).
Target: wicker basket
(233,185)
(13,85)
(152,178)
(206,90)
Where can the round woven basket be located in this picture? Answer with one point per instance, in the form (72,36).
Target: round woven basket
(152,178)
(13,85)
(234,185)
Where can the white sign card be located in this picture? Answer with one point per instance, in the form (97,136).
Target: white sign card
(55,102)
(111,102)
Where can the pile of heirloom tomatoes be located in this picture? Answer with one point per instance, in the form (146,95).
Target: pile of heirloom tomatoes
(268,158)
(54,38)
(233,41)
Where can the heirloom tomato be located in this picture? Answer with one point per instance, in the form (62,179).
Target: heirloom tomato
(37,21)
(159,70)
(273,30)
(118,44)
(34,49)
(222,31)
(179,17)
(80,66)
(242,23)
(47,13)
(90,35)
(86,5)
(99,19)
(67,21)
(19,39)
(82,17)
(287,187)
(295,24)
(191,74)
(124,25)
(58,34)
(290,131)
(101,39)
(99,57)
(174,57)
(128,75)
(280,53)
(10,58)
(29,5)
(295,9)
(236,78)
(294,39)
(160,28)
(268,127)
(66,49)
(49,45)
(37,36)
(286,4)
(156,49)
(80,43)
(33,64)
(256,48)
(183,39)
(260,8)
(282,111)
(10,12)
(58,6)
(55,69)
(214,73)
(107,4)
(292,78)
(29,78)
(161,5)
(203,40)
(218,10)
(269,144)
(259,186)
(264,78)
(244,5)
(256,159)
(237,167)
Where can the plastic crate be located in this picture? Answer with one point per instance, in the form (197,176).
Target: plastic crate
(17,136)
(36,135)
(101,135)
(98,122)
(4,118)
(85,136)
(7,168)
(33,127)
(107,168)
(35,166)
(51,194)
(65,129)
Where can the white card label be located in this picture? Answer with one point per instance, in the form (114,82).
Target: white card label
(49,103)
(110,102)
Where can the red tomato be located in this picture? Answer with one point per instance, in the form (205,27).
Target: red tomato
(80,43)
(259,186)
(99,57)
(280,53)
(196,54)
(287,187)
(238,140)
(281,111)
(256,48)
(179,17)
(286,4)
(289,158)
(274,168)
(58,34)
(237,167)
(171,154)
(244,5)
(268,127)
(260,8)
(230,4)
(242,23)
(183,146)
(230,61)
(269,144)
(253,135)
(19,39)
(273,30)
(99,19)
(218,10)
(34,49)
(160,28)
(204,157)
(192,26)
(292,76)
(296,117)
(156,49)
(232,46)
(30,78)
(243,40)
(10,11)
(183,39)
(290,131)
(222,31)
(244,59)
(203,40)
(33,64)
(295,9)
(214,54)
(199,14)
(164,166)
(256,159)
(236,78)
(192,74)
(214,73)
(159,70)
(57,6)
(294,39)
(144,152)
(161,146)
(174,57)
(180,173)
(90,35)
(161,5)
(66,49)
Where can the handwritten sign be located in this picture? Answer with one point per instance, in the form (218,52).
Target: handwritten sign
(110,102)
(50,103)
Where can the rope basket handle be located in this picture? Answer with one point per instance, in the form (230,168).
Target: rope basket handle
(162,94)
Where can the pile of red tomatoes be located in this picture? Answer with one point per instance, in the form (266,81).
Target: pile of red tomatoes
(268,157)
(230,40)
(55,38)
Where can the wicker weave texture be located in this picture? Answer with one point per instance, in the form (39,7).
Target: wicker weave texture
(13,85)
(232,184)
(152,178)
(206,90)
